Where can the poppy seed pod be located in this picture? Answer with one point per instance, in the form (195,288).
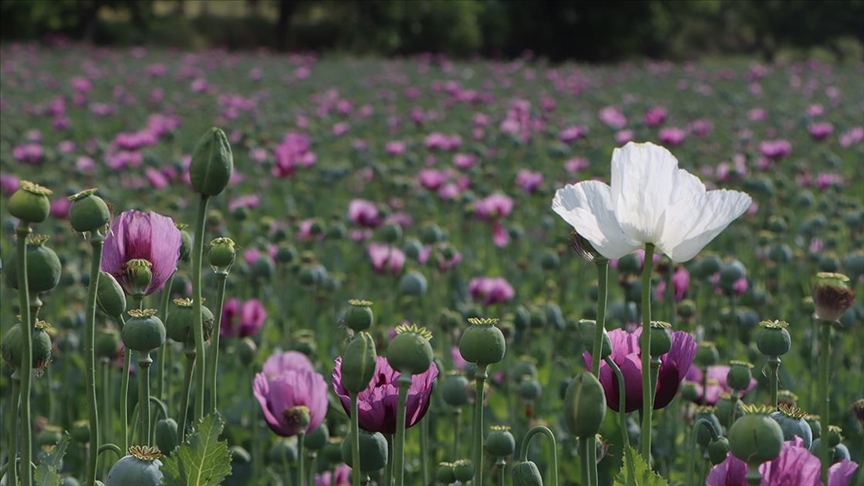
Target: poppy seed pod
(707,354)
(143,332)
(358,363)
(739,375)
(529,389)
(587,330)
(223,252)
(661,338)
(831,296)
(110,295)
(391,232)
(792,423)
(773,339)
(835,435)
(373,450)
(454,389)
(10,346)
(179,322)
(584,405)
(413,283)
(282,451)
(212,163)
(359,316)
(445,473)
(526,474)
(318,438)
(43,266)
(107,344)
(482,343)
(464,470)
(140,467)
(703,435)
(500,441)
(30,203)
(410,351)
(88,212)
(755,437)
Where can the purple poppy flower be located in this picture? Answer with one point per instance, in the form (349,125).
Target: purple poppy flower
(493,207)
(386,258)
(364,213)
(820,130)
(529,181)
(340,477)
(626,354)
(490,290)
(795,466)
(136,235)
(717,384)
(284,397)
(379,401)
(242,319)
(655,116)
(289,360)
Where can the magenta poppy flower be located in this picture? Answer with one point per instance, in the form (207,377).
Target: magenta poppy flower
(495,206)
(364,213)
(775,149)
(612,117)
(386,258)
(795,466)
(136,235)
(378,402)
(820,130)
(626,354)
(655,116)
(717,384)
(672,135)
(490,290)
(289,360)
(340,477)
(242,319)
(284,397)
(529,181)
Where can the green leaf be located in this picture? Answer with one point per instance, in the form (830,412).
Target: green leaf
(46,473)
(642,474)
(203,460)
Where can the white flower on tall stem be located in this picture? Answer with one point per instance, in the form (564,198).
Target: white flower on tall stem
(651,201)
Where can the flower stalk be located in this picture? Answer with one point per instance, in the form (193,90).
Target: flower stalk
(27,322)
(97,241)
(622,416)
(647,395)
(213,362)
(198,324)
(523,451)
(404,383)
(480,382)
(144,362)
(13,437)
(824,361)
(355,440)
(162,355)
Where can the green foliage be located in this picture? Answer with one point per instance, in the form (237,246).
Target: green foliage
(642,474)
(203,460)
(47,472)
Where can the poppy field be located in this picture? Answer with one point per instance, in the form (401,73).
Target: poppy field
(259,269)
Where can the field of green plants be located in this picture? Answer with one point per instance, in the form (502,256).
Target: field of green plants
(363,262)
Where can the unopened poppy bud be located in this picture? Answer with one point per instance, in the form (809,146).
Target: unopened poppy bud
(373,451)
(739,375)
(717,449)
(318,438)
(706,355)
(413,283)
(773,339)
(223,253)
(110,295)
(445,473)
(43,265)
(755,438)
(430,234)
(792,423)
(180,321)
(282,451)
(410,351)
(529,389)
(500,442)
(359,316)
(185,242)
(212,163)
(239,455)
(358,362)
(88,212)
(143,332)
(482,343)
(11,346)
(140,467)
(166,435)
(464,470)
(526,474)
(107,344)
(454,389)
(30,203)
(138,273)
(703,435)
(661,338)
(831,296)
(835,435)
(246,350)
(584,405)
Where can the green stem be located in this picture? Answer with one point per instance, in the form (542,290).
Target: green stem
(603,292)
(96,242)
(355,439)
(124,391)
(523,452)
(109,447)
(774,378)
(301,443)
(645,345)
(22,232)
(457,426)
(583,461)
(212,363)
(824,359)
(502,465)
(480,380)
(622,415)
(655,372)
(162,355)
(404,383)
(694,433)
(754,477)
(144,362)
(198,325)
(388,471)
(187,389)
(592,460)
(13,435)
(732,329)
(424,450)
(106,403)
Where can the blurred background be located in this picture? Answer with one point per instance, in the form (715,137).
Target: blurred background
(593,31)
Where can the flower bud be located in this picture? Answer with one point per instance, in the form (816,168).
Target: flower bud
(445,473)
(246,349)
(584,405)
(110,295)
(464,470)
(88,212)
(773,338)
(373,451)
(661,338)
(223,252)
(43,266)
(526,474)
(755,438)
(318,438)
(143,332)
(717,449)
(482,343)
(500,442)
(212,163)
(282,451)
(30,203)
(831,296)
(359,316)
(410,351)
(706,355)
(180,321)
(11,346)
(358,362)
(739,375)
(107,344)
(792,423)
(703,435)
(166,435)
(413,283)
(454,389)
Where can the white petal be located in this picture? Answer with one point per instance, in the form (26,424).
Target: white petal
(692,223)
(643,178)
(587,206)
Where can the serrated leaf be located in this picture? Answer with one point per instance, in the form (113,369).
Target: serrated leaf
(642,474)
(203,460)
(46,473)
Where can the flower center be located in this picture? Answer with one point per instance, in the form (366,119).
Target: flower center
(298,416)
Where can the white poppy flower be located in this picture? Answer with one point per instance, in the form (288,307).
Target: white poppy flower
(651,201)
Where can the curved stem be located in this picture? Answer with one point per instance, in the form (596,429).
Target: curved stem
(144,363)
(109,447)
(694,446)
(13,435)
(212,363)
(163,407)
(124,391)
(645,345)
(774,378)
(187,389)
(480,381)
(603,292)
(404,383)
(162,355)
(355,440)
(622,415)
(824,359)
(523,452)
(96,241)
(198,324)
(22,232)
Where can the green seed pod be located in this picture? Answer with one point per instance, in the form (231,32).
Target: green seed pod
(412,249)
(282,451)
(373,451)
(30,203)
(687,309)
(773,339)
(318,438)
(286,254)
(526,474)
(739,375)
(710,264)
(410,351)
(413,283)
(110,295)
(550,260)
(445,473)
(792,423)
(80,431)
(703,435)
(43,266)
(358,363)
(526,367)
(246,350)
(359,316)
(50,435)
(730,273)
(463,469)
(185,242)
(180,322)
(755,437)
(11,348)
(661,338)
(706,355)
(500,442)
(724,409)
(264,268)
(587,330)
(143,332)
(139,274)
(529,389)
(223,252)
(717,449)
(166,435)
(391,232)
(88,212)
(835,435)
(482,343)
(629,264)
(584,405)
(831,296)
(212,163)
(107,344)
(454,389)
(332,452)
(140,467)
(431,234)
